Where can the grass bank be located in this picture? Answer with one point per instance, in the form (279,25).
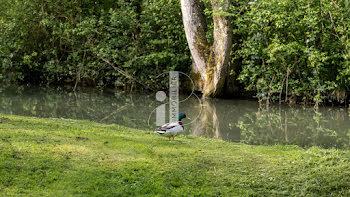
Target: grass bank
(54,157)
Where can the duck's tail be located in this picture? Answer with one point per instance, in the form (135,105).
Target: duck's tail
(159,131)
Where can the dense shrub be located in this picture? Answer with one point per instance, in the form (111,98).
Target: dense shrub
(295,50)
(287,51)
(74,41)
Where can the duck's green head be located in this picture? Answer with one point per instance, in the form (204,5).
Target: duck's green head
(181,116)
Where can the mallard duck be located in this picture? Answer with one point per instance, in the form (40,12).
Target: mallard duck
(171,130)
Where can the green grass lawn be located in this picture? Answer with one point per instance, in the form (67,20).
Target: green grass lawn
(54,157)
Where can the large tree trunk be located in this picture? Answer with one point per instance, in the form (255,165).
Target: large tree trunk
(210,63)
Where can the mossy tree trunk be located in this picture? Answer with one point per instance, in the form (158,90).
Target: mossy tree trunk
(210,62)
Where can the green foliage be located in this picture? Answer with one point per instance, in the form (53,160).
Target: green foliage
(283,50)
(295,50)
(71,41)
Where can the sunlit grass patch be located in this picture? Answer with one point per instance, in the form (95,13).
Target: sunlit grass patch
(57,157)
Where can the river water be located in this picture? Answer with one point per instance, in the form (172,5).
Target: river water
(229,120)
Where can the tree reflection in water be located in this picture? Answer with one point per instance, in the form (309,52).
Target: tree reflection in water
(297,125)
(244,121)
(231,120)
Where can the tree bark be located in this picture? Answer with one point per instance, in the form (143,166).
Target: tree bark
(210,63)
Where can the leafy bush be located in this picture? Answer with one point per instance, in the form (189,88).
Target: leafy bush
(291,51)
(81,41)
(295,50)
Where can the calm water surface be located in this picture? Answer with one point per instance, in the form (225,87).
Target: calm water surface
(230,120)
